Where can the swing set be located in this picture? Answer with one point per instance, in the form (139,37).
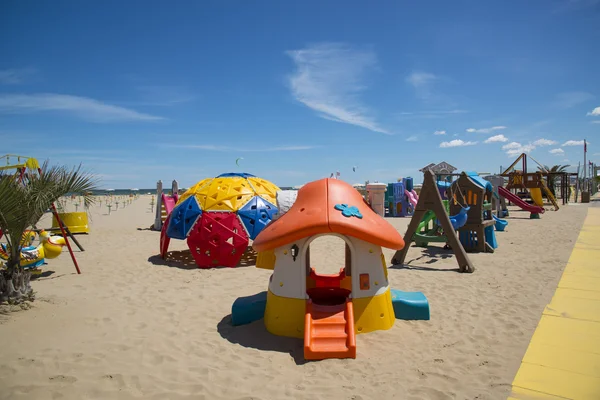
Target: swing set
(431,204)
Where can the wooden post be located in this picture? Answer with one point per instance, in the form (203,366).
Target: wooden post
(430,199)
(158,219)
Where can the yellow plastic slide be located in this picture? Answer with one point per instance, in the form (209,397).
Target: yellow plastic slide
(536,196)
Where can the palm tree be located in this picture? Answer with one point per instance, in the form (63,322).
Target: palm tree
(552,178)
(22,204)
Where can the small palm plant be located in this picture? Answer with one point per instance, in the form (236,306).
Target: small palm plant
(552,178)
(22,205)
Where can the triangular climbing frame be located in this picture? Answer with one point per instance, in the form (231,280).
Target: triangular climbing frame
(430,199)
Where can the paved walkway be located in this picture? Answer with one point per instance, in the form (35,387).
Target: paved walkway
(563,357)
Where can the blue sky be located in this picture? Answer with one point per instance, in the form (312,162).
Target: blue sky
(146,90)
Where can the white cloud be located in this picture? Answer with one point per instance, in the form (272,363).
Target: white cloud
(511,145)
(412,138)
(544,142)
(456,143)
(432,113)
(573,143)
(558,152)
(439,132)
(423,83)
(486,130)
(15,76)
(420,79)
(496,139)
(157,95)
(572,99)
(516,148)
(595,122)
(248,149)
(82,107)
(328,79)
(595,112)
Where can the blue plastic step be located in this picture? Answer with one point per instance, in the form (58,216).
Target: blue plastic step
(410,305)
(248,309)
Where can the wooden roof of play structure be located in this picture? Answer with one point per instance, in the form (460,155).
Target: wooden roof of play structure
(329,206)
(440,168)
(523,159)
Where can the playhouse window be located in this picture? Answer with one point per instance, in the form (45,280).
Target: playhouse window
(334,253)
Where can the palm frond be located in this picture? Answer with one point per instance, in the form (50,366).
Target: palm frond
(22,204)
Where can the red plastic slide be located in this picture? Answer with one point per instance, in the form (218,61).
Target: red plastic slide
(513,198)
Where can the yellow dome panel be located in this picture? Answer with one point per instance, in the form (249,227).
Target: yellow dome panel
(230,193)
(265,189)
(227,194)
(194,190)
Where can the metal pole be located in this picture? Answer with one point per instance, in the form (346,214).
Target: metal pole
(584,165)
(62,229)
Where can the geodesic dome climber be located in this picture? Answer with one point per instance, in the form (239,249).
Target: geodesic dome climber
(218,216)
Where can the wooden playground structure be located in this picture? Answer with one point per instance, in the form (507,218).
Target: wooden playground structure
(473,192)
(23,166)
(532,183)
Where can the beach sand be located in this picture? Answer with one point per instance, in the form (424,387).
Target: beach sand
(134,326)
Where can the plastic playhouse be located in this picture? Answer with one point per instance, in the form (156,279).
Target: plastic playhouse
(218,216)
(327,311)
(478,232)
(401,198)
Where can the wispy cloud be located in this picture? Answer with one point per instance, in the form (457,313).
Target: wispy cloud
(82,107)
(423,84)
(431,114)
(496,139)
(248,149)
(515,148)
(572,5)
(558,152)
(329,78)
(16,76)
(439,132)
(486,130)
(594,113)
(164,95)
(544,142)
(595,122)
(412,138)
(573,143)
(572,99)
(456,143)
(427,88)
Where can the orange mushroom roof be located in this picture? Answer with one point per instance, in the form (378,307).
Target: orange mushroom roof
(329,206)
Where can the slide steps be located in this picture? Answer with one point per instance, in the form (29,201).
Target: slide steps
(329,331)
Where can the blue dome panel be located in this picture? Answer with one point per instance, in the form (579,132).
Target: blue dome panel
(256,214)
(183,217)
(236,174)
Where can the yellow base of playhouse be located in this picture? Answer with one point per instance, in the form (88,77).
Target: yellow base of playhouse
(77,222)
(284,316)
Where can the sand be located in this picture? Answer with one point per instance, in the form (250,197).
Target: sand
(133,326)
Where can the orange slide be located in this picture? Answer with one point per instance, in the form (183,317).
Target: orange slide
(329,331)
